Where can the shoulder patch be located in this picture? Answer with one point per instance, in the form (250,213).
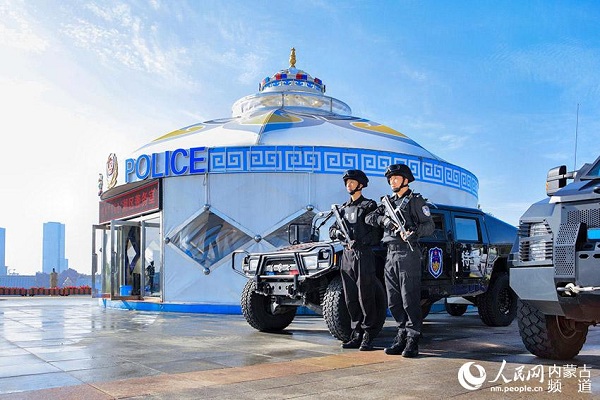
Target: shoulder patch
(426,211)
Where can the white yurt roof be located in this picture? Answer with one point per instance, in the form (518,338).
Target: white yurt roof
(290,114)
(290,109)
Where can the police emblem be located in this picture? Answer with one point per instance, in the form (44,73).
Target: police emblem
(112,170)
(436,260)
(426,211)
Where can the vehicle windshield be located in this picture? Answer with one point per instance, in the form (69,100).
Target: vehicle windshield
(594,172)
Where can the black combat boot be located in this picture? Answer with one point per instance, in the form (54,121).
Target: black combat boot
(398,345)
(412,347)
(355,340)
(367,342)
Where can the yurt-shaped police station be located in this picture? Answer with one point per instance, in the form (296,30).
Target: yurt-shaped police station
(172,212)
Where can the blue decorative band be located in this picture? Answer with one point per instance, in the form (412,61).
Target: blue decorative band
(314,159)
(331,160)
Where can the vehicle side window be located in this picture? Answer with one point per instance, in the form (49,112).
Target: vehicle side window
(467,229)
(439,232)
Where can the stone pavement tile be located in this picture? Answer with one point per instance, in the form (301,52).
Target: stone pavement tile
(345,383)
(298,385)
(185,365)
(13,371)
(36,382)
(19,359)
(288,353)
(12,351)
(66,354)
(303,383)
(240,360)
(347,359)
(109,373)
(87,363)
(157,385)
(81,392)
(253,372)
(39,351)
(199,380)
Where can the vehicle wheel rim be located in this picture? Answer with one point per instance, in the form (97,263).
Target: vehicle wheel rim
(504,300)
(565,328)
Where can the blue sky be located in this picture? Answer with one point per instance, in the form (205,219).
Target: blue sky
(490,86)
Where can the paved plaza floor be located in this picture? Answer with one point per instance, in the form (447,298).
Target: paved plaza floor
(72,348)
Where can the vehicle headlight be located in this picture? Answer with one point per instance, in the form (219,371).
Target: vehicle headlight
(251,265)
(316,261)
(311,262)
(536,242)
(537,251)
(538,229)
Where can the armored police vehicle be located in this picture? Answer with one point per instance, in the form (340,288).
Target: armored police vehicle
(555,265)
(466,257)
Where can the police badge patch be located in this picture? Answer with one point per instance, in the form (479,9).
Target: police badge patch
(436,260)
(426,211)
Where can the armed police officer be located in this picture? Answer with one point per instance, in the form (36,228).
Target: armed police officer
(358,260)
(405,218)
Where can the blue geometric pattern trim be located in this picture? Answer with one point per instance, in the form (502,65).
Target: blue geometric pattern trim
(333,160)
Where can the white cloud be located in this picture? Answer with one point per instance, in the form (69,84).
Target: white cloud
(155,4)
(569,65)
(16,30)
(453,142)
(117,36)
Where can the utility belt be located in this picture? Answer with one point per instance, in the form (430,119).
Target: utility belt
(362,246)
(396,246)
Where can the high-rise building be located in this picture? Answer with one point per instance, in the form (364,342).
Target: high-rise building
(3,269)
(53,252)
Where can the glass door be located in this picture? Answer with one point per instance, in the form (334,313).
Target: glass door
(128,257)
(152,258)
(100,261)
(125,259)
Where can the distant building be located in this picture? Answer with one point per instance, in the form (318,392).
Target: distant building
(53,252)
(3,268)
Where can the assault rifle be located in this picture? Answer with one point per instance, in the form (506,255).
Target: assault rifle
(395,214)
(341,224)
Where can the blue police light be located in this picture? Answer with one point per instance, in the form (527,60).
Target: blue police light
(593,233)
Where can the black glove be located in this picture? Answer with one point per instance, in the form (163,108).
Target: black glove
(337,234)
(389,223)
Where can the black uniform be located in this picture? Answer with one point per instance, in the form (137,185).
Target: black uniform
(403,266)
(358,263)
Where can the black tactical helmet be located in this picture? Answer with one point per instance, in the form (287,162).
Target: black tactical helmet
(401,170)
(357,175)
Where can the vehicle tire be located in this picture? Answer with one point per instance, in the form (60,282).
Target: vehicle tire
(549,336)
(456,310)
(498,306)
(257,311)
(335,312)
